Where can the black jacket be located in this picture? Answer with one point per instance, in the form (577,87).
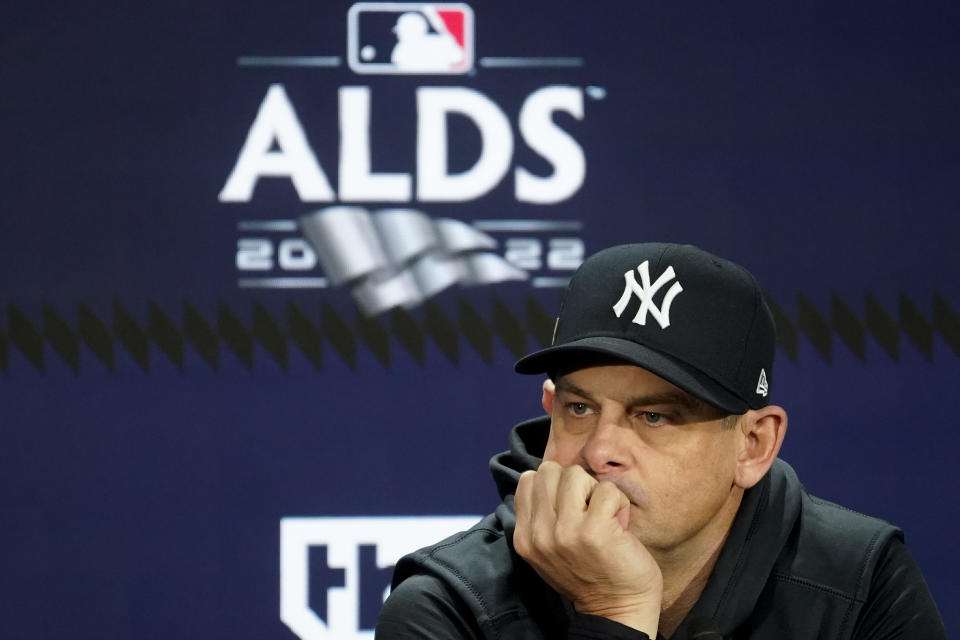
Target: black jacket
(793,566)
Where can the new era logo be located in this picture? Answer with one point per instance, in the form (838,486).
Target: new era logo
(410,38)
(762,386)
(645,291)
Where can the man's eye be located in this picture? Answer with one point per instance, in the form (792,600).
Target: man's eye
(653,418)
(578,408)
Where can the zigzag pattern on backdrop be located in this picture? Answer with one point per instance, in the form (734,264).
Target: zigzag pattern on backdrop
(346,334)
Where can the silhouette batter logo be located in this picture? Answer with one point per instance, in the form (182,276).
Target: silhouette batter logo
(410,38)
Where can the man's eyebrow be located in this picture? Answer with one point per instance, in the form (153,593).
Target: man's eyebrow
(674,398)
(566,386)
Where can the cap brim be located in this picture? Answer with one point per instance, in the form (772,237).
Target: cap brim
(691,380)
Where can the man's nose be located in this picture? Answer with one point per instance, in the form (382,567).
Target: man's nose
(608,448)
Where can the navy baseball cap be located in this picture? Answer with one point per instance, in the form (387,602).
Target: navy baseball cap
(696,320)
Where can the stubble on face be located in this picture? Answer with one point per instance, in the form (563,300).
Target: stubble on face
(678,476)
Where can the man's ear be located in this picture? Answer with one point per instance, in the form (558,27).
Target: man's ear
(763,431)
(548,393)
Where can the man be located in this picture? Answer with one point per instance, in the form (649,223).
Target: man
(650,502)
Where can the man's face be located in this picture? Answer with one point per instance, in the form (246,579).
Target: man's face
(671,454)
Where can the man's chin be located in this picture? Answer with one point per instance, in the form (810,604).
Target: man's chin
(640,526)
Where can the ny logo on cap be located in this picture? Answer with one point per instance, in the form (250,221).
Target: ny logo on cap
(645,292)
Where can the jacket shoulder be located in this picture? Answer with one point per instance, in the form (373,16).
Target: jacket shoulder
(834,549)
(472,555)
(821,580)
(481,573)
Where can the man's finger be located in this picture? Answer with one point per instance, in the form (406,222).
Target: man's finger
(606,502)
(572,493)
(522,497)
(544,496)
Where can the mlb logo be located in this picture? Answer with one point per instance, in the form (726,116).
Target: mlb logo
(410,38)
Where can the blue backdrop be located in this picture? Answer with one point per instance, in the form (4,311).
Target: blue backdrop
(185,389)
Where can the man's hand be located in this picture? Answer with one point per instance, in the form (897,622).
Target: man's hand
(573,531)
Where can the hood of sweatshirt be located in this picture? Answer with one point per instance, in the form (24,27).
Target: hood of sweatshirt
(527,443)
(760,530)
